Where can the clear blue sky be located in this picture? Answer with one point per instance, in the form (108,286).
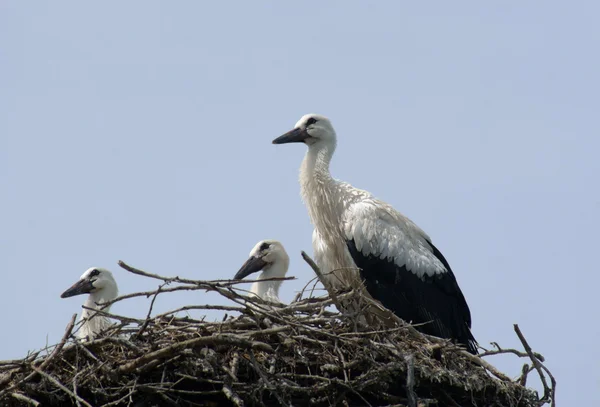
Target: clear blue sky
(142,131)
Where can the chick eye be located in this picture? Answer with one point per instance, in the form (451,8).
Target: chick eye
(264,247)
(310,121)
(94,273)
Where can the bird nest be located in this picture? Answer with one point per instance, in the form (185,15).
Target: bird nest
(305,353)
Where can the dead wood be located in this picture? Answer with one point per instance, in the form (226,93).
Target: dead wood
(304,353)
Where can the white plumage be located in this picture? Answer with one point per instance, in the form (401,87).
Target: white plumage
(102,288)
(355,231)
(270,257)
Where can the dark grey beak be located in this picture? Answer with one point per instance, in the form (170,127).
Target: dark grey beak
(293,136)
(80,287)
(252,265)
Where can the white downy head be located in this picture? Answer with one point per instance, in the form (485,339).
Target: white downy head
(101,286)
(270,257)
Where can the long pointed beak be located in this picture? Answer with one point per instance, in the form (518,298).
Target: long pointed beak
(252,265)
(80,287)
(296,135)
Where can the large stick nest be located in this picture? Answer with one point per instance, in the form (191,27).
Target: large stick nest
(300,354)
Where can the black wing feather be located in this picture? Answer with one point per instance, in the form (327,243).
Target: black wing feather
(435,301)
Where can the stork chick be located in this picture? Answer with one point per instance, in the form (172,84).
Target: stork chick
(270,257)
(101,286)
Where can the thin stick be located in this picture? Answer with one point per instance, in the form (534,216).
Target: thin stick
(204,340)
(410,381)
(266,380)
(147,321)
(200,307)
(148,294)
(62,342)
(549,393)
(45,363)
(323,280)
(481,362)
(121,318)
(221,283)
(501,351)
(28,400)
(62,387)
(232,396)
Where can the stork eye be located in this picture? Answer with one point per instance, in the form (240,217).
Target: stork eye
(310,121)
(94,273)
(264,247)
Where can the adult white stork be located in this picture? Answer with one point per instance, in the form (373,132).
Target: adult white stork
(359,238)
(101,286)
(270,257)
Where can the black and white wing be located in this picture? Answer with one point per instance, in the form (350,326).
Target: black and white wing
(403,270)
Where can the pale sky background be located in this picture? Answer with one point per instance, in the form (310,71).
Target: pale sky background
(142,131)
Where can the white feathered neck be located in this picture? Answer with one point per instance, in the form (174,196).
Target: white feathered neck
(320,191)
(325,197)
(95,323)
(269,290)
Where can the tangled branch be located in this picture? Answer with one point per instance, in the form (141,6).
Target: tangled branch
(265,355)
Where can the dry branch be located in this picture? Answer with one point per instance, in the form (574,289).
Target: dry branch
(264,355)
(549,392)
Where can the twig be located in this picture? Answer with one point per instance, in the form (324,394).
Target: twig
(266,380)
(204,340)
(148,294)
(549,393)
(323,280)
(222,283)
(62,387)
(481,362)
(233,367)
(298,296)
(75,377)
(119,400)
(200,307)
(24,398)
(45,363)
(410,381)
(122,319)
(62,342)
(232,396)
(524,372)
(21,362)
(501,351)
(147,321)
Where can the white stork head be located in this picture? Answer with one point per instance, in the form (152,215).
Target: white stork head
(101,286)
(270,257)
(312,129)
(97,282)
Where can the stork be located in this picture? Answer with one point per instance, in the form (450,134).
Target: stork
(101,286)
(270,257)
(362,241)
